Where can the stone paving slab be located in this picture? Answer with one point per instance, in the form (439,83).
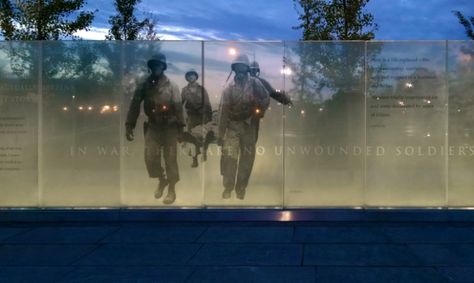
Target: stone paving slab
(42,255)
(331,234)
(359,255)
(239,234)
(331,274)
(237,252)
(458,274)
(7,232)
(140,255)
(161,234)
(128,274)
(430,234)
(444,254)
(62,235)
(248,254)
(33,274)
(255,274)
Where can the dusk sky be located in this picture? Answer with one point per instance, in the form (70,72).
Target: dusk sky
(273,20)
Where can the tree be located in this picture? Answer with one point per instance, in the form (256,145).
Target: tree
(329,76)
(335,66)
(335,20)
(149,30)
(125,25)
(42,19)
(22,20)
(467,23)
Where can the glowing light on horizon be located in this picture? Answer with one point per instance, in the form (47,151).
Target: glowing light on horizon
(286,71)
(105,108)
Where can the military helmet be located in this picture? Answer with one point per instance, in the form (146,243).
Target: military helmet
(157,58)
(241,59)
(192,71)
(254,65)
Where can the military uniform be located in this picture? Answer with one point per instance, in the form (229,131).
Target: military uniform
(162,105)
(279,96)
(238,123)
(197,105)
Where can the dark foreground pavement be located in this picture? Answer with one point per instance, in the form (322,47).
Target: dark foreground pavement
(237,251)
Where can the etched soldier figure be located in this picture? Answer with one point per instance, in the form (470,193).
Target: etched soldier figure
(279,96)
(242,104)
(196,101)
(163,107)
(198,113)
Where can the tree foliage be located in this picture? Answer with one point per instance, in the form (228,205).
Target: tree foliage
(126,26)
(149,30)
(335,20)
(42,19)
(467,23)
(329,76)
(336,66)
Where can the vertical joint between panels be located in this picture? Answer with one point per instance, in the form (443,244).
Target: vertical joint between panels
(40,125)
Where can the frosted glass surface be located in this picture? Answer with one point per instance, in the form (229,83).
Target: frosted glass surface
(265,184)
(371,124)
(461,126)
(406,124)
(19,101)
(137,187)
(324,131)
(81,124)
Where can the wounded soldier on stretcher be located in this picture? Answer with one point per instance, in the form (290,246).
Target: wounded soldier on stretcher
(201,136)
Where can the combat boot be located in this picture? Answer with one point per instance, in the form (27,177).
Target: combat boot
(240,193)
(161,187)
(195,162)
(226,193)
(171,196)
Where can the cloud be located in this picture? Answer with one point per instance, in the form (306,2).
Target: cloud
(172,32)
(93,33)
(214,19)
(273,20)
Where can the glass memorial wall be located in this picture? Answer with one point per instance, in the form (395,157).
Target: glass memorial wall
(138,189)
(249,164)
(324,129)
(406,124)
(20,94)
(460,150)
(317,124)
(80,147)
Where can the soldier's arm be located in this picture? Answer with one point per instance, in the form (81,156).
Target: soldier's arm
(223,116)
(183,96)
(134,110)
(262,93)
(279,96)
(267,85)
(207,103)
(178,105)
